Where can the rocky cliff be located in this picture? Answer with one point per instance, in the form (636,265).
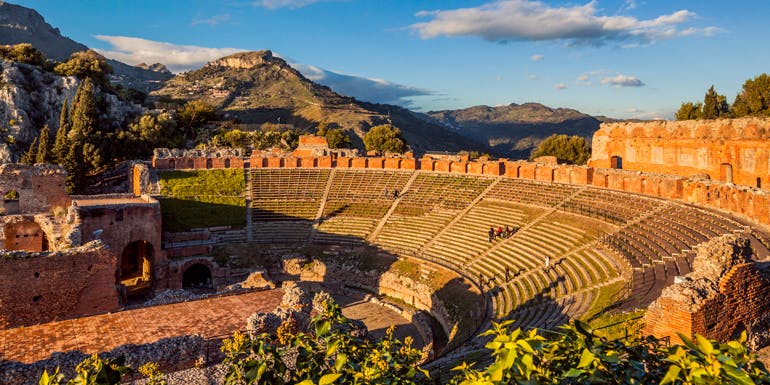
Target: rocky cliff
(31,98)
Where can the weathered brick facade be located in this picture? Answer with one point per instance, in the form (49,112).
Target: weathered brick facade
(43,287)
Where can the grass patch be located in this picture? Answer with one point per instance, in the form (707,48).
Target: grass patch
(202,198)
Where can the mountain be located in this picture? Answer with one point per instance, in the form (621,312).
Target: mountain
(514,130)
(24,25)
(257,87)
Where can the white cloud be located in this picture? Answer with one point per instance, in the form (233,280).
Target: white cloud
(213,20)
(533,77)
(586,78)
(180,58)
(528,20)
(560,86)
(537,57)
(177,58)
(362,88)
(274,4)
(621,80)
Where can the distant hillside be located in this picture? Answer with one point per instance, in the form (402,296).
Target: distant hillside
(514,130)
(257,87)
(24,25)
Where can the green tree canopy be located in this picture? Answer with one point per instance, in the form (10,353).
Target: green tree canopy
(86,64)
(193,115)
(60,143)
(386,138)
(689,111)
(567,149)
(754,98)
(714,105)
(336,137)
(22,53)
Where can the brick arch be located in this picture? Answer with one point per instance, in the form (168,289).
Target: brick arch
(135,269)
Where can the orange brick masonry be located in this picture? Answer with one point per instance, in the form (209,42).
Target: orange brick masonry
(208,317)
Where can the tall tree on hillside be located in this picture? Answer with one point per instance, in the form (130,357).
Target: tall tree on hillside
(44,151)
(754,98)
(84,113)
(689,111)
(193,115)
(29,156)
(385,137)
(60,146)
(75,164)
(714,105)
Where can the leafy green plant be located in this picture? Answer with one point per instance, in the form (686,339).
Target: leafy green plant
(328,354)
(92,371)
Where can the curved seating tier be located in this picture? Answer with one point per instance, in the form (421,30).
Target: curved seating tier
(592,236)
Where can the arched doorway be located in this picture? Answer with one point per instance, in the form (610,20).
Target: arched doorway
(11,202)
(136,268)
(616,162)
(197,277)
(209,163)
(726,172)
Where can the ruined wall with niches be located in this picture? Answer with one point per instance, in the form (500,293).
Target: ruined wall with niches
(719,299)
(40,187)
(44,287)
(728,150)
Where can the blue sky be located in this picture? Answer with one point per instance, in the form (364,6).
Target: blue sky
(620,58)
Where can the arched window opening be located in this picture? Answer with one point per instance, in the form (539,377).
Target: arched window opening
(198,277)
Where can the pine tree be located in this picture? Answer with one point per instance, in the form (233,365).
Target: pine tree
(60,146)
(714,105)
(84,114)
(76,172)
(44,154)
(29,156)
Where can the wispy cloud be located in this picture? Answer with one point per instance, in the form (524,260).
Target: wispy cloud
(533,77)
(526,20)
(537,57)
(621,80)
(587,78)
(212,21)
(362,88)
(560,86)
(177,58)
(274,4)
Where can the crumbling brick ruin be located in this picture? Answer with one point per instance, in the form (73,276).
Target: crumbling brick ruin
(207,158)
(721,297)
(49,286)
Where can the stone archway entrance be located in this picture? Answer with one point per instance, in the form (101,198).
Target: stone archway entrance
(198,277)
(136,268)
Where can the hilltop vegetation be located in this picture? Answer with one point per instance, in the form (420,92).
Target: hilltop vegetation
(752,100)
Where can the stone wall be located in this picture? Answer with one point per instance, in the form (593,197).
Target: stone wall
(207,158)
(719,299)
(727,150)
(44,287)
(40,187)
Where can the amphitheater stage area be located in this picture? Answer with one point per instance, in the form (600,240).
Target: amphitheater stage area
(212,317)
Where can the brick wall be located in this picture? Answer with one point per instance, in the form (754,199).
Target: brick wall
(44,287)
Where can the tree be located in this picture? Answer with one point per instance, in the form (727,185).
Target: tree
(754,98)
(86,64)
(567,149)
(148,132)
(336,137)
(194,114)
(75,165)
(714,105)
(689,111)
(386,138)
(29,156)
(60,146)
(22,53)
(44,151)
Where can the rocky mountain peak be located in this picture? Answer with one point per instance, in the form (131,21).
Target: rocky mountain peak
(242,60)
